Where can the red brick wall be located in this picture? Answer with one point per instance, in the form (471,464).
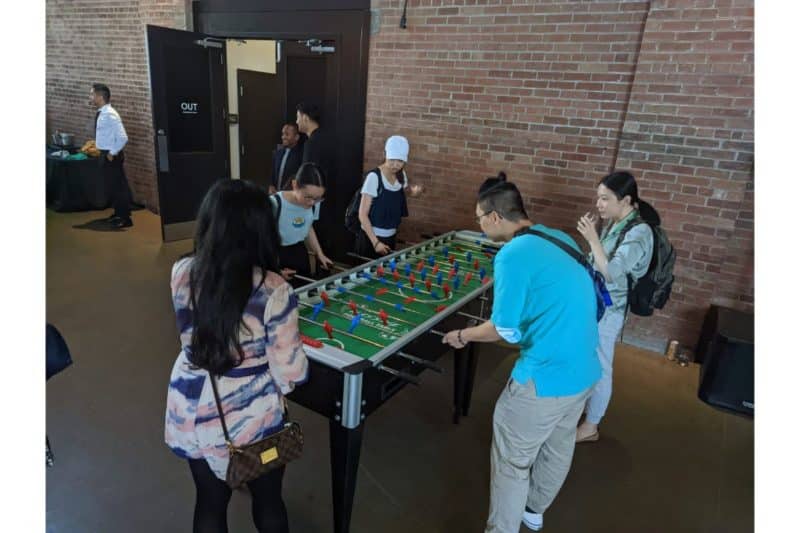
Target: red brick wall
(557,94)
(104,42)
(688,135)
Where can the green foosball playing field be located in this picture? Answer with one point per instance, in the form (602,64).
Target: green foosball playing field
(364,315)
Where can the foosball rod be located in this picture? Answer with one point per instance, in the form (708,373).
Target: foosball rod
(473,317)
(334,313)
(415,253)
(364,296)
(402,375)
(472,247)
(378,313)
(468,266)
(451,250)
(407,262)
(420,280)
(421,362)
(337,330)
(411,289)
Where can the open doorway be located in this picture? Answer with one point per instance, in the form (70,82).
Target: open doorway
(257,84)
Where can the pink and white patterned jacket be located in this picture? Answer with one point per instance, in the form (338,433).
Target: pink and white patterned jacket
(251,394)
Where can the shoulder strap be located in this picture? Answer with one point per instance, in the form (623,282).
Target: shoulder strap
(635,221)
(579,257)
(278,205)
(219,409)
(377,172)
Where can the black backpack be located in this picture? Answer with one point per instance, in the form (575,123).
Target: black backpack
(351,221)
(652,290)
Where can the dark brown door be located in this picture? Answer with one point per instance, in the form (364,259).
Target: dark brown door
(187,82)
(262,104)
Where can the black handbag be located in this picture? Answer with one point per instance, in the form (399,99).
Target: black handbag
(253,460)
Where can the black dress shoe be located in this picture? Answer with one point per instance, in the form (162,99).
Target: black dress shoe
(120,223)
(111,218)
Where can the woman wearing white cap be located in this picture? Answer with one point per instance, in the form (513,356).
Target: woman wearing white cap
(383,201)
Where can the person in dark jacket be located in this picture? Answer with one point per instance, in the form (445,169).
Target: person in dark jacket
(286,158)
(321,148)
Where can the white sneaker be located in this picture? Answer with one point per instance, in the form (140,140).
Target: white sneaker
(534,521)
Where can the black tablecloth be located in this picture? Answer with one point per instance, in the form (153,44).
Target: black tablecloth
(75,185)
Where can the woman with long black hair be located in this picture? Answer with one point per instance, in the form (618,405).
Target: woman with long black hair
(622,251)
(237,319)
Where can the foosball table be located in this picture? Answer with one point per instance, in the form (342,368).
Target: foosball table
(371,330)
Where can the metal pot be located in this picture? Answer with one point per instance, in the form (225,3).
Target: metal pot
(66,139)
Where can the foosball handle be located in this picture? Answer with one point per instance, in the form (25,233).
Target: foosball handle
(422,362)
(414,380)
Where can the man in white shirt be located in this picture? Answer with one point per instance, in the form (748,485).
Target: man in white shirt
(110,138)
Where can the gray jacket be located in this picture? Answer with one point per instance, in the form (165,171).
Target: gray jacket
(633,256)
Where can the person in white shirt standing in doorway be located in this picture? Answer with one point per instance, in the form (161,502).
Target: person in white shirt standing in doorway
(110,138)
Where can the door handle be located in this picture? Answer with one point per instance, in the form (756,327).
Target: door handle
(163,152)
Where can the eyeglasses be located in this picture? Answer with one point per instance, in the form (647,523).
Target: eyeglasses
(314,199)
(479,217)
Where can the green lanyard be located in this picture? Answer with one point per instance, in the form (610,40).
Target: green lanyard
(611,232)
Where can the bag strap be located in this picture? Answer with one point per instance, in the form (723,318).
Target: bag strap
(635,221)
(219,411)
(278,205)
(222,416)
(377,172)
(577,256)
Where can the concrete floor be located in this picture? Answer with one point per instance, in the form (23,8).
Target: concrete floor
(666,461)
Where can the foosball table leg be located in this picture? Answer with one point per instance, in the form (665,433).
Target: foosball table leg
(345,454)
(460,364)
(472,366)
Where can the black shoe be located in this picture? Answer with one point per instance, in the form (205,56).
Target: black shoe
(120,223)
(111,218)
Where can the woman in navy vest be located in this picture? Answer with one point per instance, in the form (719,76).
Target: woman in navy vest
(383,201)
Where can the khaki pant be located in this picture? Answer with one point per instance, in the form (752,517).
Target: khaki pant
(532,447)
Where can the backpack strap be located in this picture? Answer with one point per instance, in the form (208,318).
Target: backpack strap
(577,256)
(276,203)
(377,172)
(632,223)
(601,293)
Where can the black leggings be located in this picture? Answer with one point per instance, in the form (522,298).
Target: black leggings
(213,495)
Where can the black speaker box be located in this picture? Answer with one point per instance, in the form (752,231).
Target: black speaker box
(725,349)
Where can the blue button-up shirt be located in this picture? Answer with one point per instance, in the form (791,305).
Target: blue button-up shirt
(110,133)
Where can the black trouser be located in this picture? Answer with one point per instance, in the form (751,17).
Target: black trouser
(213,495)
(295,256)
(114,176)
(364,245)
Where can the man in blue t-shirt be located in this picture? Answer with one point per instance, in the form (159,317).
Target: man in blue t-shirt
(544,302)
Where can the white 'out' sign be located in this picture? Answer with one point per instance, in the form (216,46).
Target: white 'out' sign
(189,107)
